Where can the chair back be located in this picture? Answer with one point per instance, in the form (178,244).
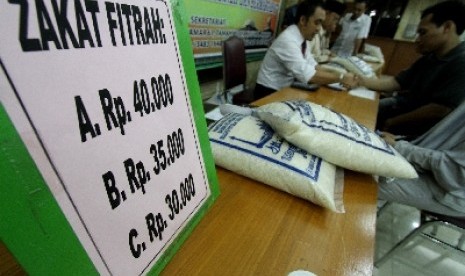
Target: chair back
(459,222)
(234,62)
(431,221)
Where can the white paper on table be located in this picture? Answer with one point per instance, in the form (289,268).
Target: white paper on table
(214,114)
(336,86)
(363,92)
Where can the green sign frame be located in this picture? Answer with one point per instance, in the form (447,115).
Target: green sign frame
(33,226)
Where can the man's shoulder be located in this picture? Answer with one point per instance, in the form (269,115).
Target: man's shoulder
(366,18)
(347,16)
(456,55)
(461,48)
(288,31)
(291,33)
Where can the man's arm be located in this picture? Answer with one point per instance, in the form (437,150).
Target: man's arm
(358,44)
(364,32)
(421,158)
(417,121)
(384,84)
(446,166)
(323,76)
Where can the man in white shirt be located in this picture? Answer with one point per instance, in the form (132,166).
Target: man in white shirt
(289,58)
(320,43)
(355,28)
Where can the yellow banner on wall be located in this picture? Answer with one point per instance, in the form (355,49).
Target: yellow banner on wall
(213,21)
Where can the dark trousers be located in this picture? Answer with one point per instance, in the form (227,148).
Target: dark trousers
(262,91)
(400,116)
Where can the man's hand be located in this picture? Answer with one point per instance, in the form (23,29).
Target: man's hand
(389,138)
(349,81)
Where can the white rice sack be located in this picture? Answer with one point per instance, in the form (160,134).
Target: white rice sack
(248,146)
(335,137)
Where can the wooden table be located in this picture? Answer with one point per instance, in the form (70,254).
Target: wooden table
(254,229)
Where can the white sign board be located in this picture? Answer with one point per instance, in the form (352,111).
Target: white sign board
(97,92)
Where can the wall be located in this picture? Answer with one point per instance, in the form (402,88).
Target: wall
(411,18)
(398,55)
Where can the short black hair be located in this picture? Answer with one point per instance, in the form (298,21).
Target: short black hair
(362,1)
(307,8)
(448,10)
(335,6)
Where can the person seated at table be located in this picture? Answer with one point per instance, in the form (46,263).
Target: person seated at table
(289,58)
(319,45)
(355,28)
(439,158)
(434,84)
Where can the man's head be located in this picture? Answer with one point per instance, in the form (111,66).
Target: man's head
(334,10)
(360,8)
(309,18)
(440,27)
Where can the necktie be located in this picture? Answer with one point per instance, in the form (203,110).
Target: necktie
(304,47)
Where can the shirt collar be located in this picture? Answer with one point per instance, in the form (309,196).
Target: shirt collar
(457,51)
(356,20)
(299,35)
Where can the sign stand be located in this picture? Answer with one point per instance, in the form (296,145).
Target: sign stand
(105,162)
